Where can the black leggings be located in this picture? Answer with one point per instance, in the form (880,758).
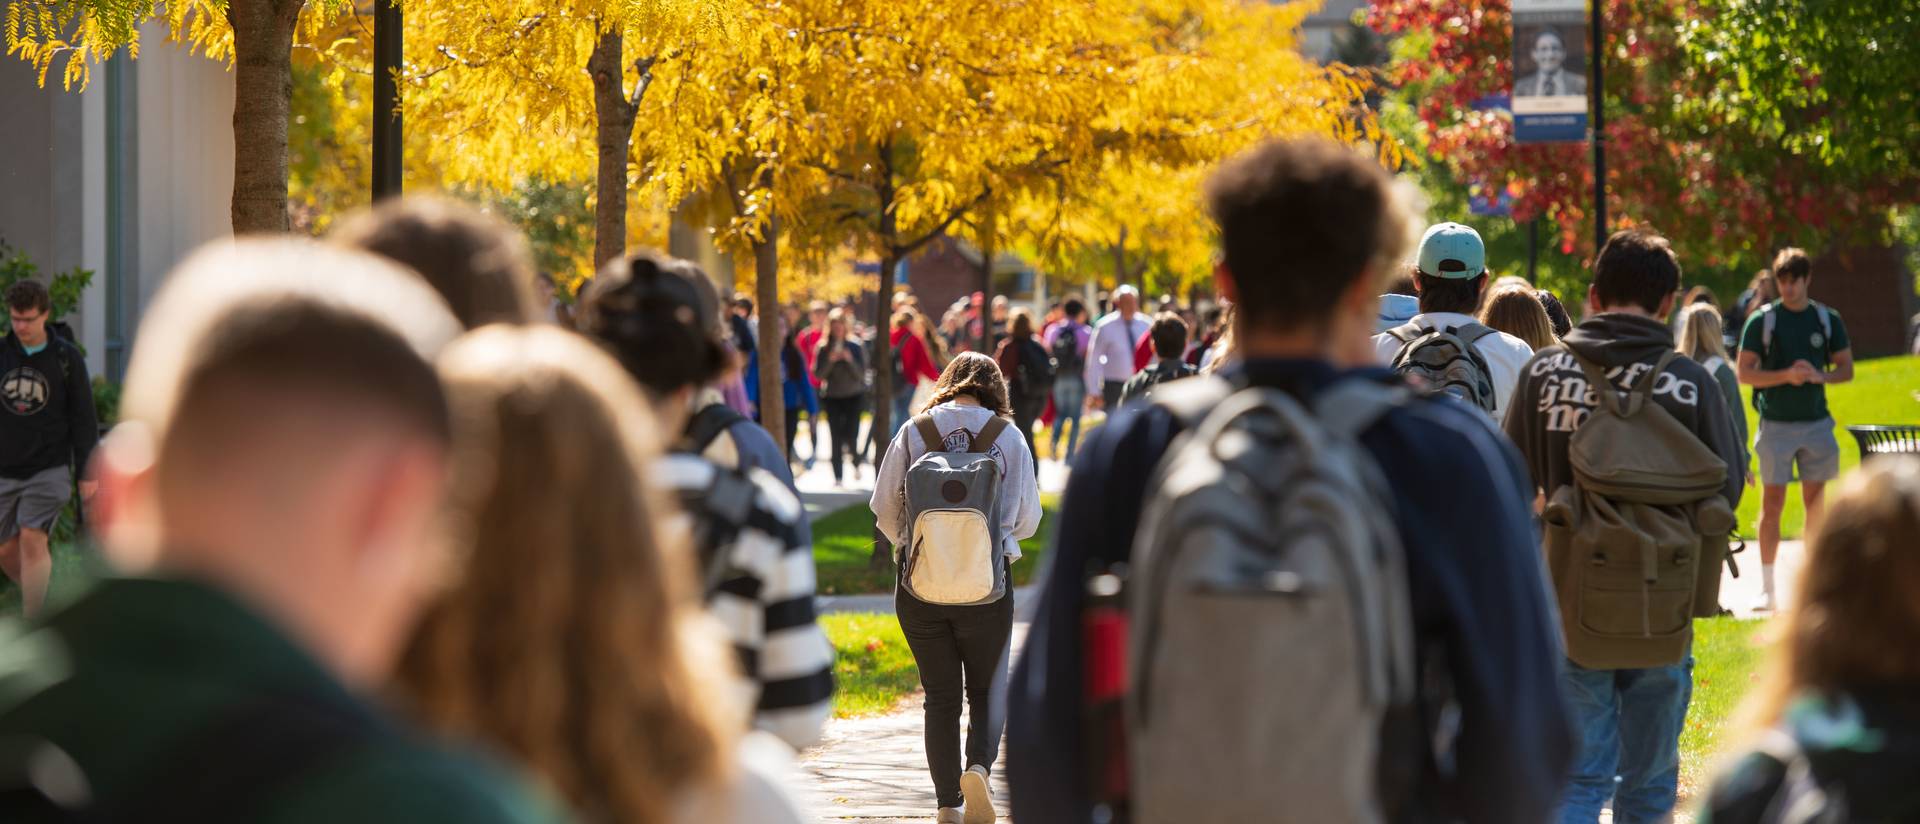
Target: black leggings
(960,651)
(843,428)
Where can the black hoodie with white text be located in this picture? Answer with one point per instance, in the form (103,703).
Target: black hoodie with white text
(49,419)
(1553,397)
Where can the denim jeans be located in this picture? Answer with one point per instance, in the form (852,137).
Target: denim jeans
(1069,403)
(1628,724)
(902,410)
(962,654)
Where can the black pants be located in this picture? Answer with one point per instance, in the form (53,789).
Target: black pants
(960,651)
(843,429)
(1110,395)
(1026,410)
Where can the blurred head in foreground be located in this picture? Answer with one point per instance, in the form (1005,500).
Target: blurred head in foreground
(284,437)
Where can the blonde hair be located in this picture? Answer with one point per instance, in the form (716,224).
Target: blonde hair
(1519,313)
(972,373)
(574,640)
(1700,333)
(1854,621)
(1227,346)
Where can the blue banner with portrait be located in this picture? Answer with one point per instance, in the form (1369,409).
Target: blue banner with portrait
(1550,102)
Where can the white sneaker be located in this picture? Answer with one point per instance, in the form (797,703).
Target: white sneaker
(973,785)
(949,815)
(1764,603)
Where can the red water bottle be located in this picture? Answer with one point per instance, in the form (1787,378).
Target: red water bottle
(1104,676)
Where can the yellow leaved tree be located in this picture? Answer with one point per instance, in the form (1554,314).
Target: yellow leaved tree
(255,36)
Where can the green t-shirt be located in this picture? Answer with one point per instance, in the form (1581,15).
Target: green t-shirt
(1797,336)
(140,671)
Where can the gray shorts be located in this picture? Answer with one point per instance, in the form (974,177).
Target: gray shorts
(34,503)
(1781,445)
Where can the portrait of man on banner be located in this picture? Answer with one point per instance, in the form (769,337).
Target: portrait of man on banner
(1558,67)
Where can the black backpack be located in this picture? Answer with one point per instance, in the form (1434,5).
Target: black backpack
(1066,349)
(1445,359)
(1037,370)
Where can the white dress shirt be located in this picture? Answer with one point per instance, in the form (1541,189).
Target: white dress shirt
(1110,354)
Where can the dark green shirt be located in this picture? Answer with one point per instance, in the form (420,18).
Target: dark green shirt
(1797,336)
(128,680)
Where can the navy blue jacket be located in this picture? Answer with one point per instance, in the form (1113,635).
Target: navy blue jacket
(1481,605)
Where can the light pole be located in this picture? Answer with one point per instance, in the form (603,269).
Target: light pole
(386,99)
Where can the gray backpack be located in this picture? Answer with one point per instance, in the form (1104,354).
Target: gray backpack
(1271,637)
(953,553)
(1444,358)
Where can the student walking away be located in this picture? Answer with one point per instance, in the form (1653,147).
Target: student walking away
(1029,370)
(1110,350)
(796,385)
(1229,658)
(1700,340)
(956,494)
(656,315)
(273,493)
(555,443)
(1067,342)
(1631,445)
(912,361)
(46,438)
(1518,312)
(841,364)
(1169,336)
(1790,351)
(809,343)
(480,264)
(1444,347)
(1835,720)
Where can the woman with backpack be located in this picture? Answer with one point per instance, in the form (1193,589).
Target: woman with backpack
(1029,372)
(595,668)
(1699,339)
(842,366)
(1836,718)
(955,494)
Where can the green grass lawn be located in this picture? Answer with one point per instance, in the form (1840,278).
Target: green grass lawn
(71,572)
(843,543)
(1881,393)
(1727,656)
(873,669)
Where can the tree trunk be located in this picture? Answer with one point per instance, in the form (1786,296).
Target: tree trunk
(988,238)
(883,422)
(766,273)
(1120,260)
(613,116)
(262,96)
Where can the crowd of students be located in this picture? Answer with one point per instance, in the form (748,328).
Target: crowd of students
(1432,556)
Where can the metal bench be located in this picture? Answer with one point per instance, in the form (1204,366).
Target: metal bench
(1886,440)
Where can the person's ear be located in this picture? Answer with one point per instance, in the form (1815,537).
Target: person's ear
(1666,305)
(123,466)
(1417,286)
(393,511)
(1223,282)
(1593,302)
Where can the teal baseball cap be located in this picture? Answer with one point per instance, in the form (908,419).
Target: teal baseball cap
(1452,251)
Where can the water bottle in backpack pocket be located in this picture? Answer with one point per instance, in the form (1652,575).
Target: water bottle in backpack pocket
(952,554)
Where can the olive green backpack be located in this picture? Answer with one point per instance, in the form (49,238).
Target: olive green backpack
(1635,543)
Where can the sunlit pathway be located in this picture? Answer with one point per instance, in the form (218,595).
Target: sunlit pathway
(875,769)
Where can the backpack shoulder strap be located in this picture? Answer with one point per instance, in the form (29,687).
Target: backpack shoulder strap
(1472,332)
(929,433)
(989,435)
(1190,400)
(1767,319)
(1597,380)
(1826,326)
(1350,407)
(709,424)
(1407,332)
(1643,389)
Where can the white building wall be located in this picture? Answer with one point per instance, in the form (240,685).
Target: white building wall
(185,170)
